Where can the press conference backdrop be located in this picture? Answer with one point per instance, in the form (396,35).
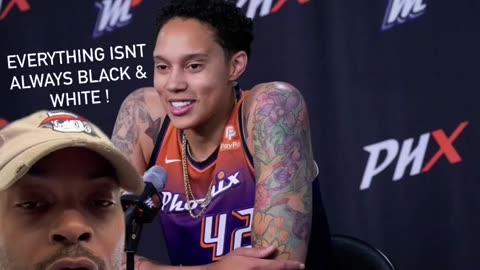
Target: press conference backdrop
(391,85)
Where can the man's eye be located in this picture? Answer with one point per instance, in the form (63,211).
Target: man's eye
(103,203)
(31,205)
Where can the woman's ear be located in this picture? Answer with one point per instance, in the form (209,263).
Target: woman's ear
(238,64)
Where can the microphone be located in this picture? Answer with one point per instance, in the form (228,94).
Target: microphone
(142,209)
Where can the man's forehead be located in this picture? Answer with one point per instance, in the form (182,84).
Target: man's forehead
(72,188)
(30,181)
(74,155)
(80,162)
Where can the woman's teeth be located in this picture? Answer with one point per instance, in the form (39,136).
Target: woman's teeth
(180,104)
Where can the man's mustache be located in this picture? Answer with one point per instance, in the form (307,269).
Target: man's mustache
(71,252)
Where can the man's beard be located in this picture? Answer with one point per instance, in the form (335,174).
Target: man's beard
(77,251)
(5,263)
(117,256)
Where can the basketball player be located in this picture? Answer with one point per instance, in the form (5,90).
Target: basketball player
(240,163)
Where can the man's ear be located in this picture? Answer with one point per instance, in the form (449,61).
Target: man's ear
(238,64)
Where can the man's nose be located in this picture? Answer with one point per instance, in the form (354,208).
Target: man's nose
(71,228)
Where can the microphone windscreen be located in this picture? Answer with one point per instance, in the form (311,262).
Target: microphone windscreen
(157,176)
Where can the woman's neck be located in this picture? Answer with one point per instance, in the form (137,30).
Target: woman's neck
(205,139)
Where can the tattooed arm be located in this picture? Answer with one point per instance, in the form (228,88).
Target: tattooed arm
(278,132)
(137,126)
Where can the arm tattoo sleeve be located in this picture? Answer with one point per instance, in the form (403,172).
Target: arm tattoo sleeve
(133,118)
(283,163)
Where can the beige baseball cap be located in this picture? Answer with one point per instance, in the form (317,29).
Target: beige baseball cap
(27,140)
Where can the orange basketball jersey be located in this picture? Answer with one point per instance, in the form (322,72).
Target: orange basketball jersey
(226,223)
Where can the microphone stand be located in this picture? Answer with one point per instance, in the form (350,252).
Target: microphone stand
(133,231)
(138,210)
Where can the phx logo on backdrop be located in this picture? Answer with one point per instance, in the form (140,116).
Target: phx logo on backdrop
(9,6)
(410,155)
(114,14)
(3,123)
(264,7)
(400,11)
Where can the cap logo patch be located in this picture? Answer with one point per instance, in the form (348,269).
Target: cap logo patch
(67,122)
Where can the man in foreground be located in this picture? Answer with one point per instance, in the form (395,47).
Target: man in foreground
(60,184)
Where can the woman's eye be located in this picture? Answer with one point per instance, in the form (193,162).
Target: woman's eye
(195,66)
(162,67)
